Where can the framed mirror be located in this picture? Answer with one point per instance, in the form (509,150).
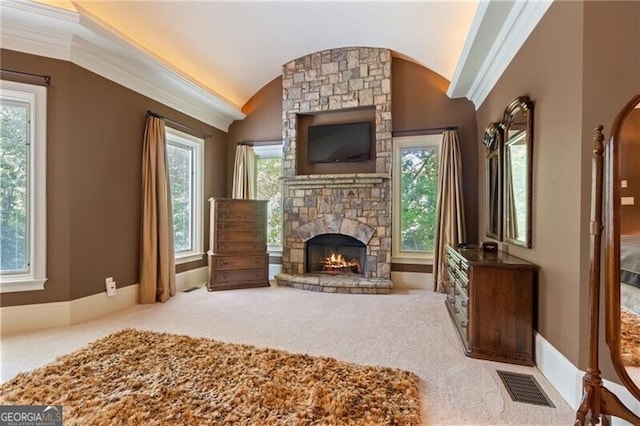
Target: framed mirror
(493,141)
(518,160)
(622,244)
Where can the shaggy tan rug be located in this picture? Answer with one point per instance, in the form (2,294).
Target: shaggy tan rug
(630,338)
(140,377)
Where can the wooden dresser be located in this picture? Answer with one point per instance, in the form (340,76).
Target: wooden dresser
(238,256)
(490,297)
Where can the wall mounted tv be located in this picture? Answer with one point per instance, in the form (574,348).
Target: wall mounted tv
(337,143)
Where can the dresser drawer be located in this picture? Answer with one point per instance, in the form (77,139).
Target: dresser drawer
(462,285)
(221,263)
(222,236)
(461,301)
(239,275)
(256,226)
(461,317)
(230,210)
(240,246)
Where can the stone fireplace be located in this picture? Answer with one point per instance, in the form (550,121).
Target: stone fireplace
(345,201)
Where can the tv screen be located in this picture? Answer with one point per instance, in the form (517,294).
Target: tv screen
(334,143)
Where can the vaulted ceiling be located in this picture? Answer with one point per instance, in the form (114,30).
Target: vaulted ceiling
(228,50)
(235,48)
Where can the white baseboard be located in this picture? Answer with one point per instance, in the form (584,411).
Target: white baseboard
(563,375)
(274,270)
(97,305)
(23,318)
(566,378)
(18,319)
(195,277)
(412,280)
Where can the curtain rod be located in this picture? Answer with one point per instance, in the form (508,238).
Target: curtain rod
(175,123)
(46,78)
(273,142)
(418,132)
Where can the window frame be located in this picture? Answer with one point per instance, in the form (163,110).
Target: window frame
(267,151)
(420,141)
(36,97)
(180,139)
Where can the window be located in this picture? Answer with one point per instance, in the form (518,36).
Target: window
(415,183)
(23,212)
(184,159)
(269,187)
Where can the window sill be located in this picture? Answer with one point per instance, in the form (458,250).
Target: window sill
(275,251)
(21,284)
(189,257)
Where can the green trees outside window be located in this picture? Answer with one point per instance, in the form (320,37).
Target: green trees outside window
(418,191)
(14,187)
(180,163)
(269,187)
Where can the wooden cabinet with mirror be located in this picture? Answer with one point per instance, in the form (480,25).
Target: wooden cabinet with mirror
(509,174)
(615,187)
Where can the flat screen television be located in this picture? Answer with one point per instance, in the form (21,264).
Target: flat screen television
(337,143)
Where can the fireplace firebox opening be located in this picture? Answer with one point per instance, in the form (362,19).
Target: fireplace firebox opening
(335,254)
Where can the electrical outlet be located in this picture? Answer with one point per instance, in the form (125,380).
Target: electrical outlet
(627,201)
(110,286)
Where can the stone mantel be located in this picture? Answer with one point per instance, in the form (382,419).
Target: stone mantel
(337,180)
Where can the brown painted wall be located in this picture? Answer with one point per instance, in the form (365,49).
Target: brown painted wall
(263,122)
(579,66)
(94,151)
(419,101)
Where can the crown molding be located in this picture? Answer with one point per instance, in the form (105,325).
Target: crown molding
(498,31)
(47,31)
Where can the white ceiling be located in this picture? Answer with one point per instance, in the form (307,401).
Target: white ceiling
(207,58)
(234,48)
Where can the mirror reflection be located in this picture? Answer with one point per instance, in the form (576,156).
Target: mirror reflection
(518,123)
(629,157)
(493,142)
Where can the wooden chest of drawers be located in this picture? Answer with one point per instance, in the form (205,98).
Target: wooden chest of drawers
(238,255)
(490,298)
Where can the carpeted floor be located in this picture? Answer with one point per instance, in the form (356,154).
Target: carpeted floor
(409,330)
(182,380)
(630,338)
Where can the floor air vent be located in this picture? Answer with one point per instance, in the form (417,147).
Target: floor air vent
(524,388)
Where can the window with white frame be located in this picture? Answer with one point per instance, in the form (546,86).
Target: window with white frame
(23,209)
(268,164)
(415,185)
(185,163)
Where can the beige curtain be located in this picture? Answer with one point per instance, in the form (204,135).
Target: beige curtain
(244,181)
(450,227)
(157,268)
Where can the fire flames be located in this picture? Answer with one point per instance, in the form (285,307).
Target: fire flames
(336,263)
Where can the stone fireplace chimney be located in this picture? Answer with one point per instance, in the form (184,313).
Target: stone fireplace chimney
(348,202)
